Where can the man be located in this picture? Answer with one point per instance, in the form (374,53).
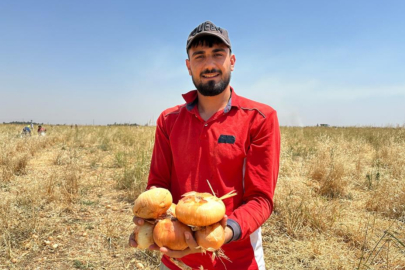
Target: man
(26,131)
(41,130)
(218,136)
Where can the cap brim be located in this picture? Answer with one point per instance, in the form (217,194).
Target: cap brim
(207,34)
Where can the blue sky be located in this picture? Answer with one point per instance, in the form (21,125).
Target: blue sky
(335,62)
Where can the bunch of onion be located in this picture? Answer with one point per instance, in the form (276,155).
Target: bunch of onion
(152,203)
(169,232)
(203,212)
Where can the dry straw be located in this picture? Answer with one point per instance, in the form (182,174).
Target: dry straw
(66,198)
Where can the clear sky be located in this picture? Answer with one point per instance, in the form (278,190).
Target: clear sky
(335,62)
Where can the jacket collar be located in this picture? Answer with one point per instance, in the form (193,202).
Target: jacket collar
(191,99)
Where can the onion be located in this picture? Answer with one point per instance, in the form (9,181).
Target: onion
(169,232)
(171,212)
(144,235)
(211,237)
(152,203)
(200,209)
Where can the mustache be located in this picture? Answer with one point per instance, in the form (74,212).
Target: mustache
(207,71)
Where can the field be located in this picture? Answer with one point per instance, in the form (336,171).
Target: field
(66,198)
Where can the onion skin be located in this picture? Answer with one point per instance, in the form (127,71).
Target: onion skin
(144,235)
(172,210)
(170,233)
(200,209)
(211,237)
(152,203)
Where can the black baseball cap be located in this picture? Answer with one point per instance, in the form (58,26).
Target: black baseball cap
(208,28)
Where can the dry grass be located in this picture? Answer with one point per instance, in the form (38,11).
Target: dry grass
(66,199)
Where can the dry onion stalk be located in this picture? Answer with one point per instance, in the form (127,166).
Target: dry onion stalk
(181,264)
(152,203)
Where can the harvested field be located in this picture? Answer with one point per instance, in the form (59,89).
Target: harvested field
(66,198)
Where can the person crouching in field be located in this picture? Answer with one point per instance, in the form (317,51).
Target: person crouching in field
(41,131)
(26,131)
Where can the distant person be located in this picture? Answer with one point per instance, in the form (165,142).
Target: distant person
(41,131)
(26,131)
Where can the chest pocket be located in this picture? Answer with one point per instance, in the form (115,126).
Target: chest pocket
(226,139)
(228,151)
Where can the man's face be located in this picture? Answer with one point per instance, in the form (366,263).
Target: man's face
(210,68)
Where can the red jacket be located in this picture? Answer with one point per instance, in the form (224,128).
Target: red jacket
(238,148)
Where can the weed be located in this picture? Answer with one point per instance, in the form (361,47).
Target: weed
(329,171)
(59,158)
(6,174)
(128,178)
(49,189)
(82,265)
(89,202)
(120,160)
(388,199)
(299,211)
(20,165)
(70,184)
(372,180)
(94,163)
(380,252)
(105,144)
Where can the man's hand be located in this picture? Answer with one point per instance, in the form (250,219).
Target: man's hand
(192,244)
(228,230)
(192,248)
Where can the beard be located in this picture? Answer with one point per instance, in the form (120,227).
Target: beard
(212,88)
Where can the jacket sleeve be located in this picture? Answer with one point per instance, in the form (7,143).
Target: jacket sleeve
(161,163)
(260,176)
